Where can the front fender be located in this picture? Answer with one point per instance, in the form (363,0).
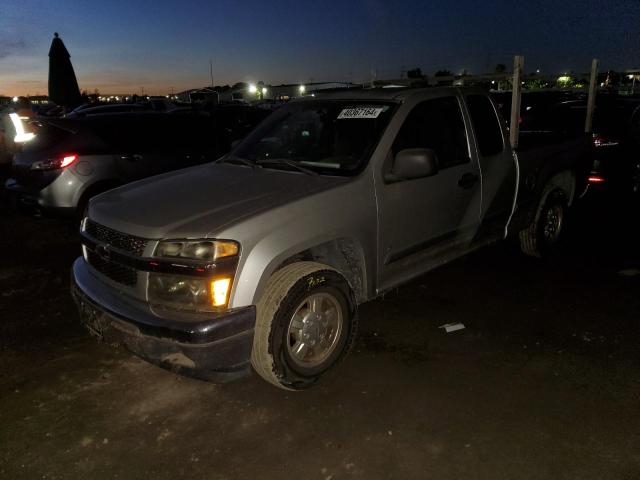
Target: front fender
(265,258)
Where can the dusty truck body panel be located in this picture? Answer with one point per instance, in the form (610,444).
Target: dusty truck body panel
(408,246)
(328,204)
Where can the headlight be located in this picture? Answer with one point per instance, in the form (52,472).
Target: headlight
(207,250)
(186,292)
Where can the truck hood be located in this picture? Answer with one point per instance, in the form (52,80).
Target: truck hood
(198,202)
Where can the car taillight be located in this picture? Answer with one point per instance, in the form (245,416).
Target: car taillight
(68,160)
(595,179)
(63,161)
(602,141)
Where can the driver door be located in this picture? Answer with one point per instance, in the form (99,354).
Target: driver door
(424,222)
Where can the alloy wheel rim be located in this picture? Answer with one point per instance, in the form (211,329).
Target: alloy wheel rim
(553,223)
(314,329)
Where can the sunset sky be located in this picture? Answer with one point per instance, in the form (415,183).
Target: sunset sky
(121,46)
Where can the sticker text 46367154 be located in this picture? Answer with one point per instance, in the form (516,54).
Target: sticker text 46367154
(361,112)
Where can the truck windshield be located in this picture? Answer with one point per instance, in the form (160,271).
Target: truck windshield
(328,137)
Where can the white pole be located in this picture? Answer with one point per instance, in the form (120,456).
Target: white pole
(514,126)
(591,102)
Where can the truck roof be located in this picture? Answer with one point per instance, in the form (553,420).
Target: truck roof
(394,94)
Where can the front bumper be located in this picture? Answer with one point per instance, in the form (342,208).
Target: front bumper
(216,348)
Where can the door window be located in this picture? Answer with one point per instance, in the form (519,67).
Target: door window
(436,124)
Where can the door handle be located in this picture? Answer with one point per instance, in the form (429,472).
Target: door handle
(130,157)
(467,180)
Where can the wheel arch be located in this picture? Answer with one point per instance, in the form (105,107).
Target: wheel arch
(344,254)
(564,181)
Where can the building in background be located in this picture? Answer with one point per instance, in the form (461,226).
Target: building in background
(256,92)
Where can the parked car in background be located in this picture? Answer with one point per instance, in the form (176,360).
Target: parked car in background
(262,258)
(550,118)
(14,123)
(144,104)
(616,138)
(72,159)
(552,137)
(91,109)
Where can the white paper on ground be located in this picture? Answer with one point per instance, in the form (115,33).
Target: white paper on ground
(452,327)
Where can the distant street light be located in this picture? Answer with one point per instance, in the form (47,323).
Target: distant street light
(252,88)
(264,91)
(15,99)
(565,81)
(302,89)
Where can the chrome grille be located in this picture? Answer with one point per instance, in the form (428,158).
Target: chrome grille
(122,241)
(116,272)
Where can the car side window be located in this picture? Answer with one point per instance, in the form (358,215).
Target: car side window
(486,125)
(436,124)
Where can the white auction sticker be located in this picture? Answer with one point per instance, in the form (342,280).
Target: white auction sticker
(361,112)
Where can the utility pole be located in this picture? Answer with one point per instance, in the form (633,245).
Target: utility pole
(516,96)
(211,71)
(591,102)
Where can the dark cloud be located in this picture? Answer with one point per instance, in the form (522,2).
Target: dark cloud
(9,46)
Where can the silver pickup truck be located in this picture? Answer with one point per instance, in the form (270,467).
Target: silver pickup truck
(262,257)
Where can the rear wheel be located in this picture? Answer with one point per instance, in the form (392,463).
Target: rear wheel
(306,323)
(547,226)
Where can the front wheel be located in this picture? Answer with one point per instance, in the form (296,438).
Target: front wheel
(547,226)
(306,323)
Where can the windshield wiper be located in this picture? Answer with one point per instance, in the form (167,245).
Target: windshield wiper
(285,161)
(234,159)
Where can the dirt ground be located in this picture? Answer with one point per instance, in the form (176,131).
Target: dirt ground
(543,383)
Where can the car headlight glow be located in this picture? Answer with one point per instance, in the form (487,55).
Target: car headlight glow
(191,293)
(207,250)
(220,291)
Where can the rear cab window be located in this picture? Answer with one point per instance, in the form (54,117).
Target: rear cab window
(486,125)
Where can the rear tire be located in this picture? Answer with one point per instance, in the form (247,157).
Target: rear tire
(306,323)
(546,228)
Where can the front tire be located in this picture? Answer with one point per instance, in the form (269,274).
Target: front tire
(306,323)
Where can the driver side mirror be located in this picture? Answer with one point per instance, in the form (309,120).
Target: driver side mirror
(412,163)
